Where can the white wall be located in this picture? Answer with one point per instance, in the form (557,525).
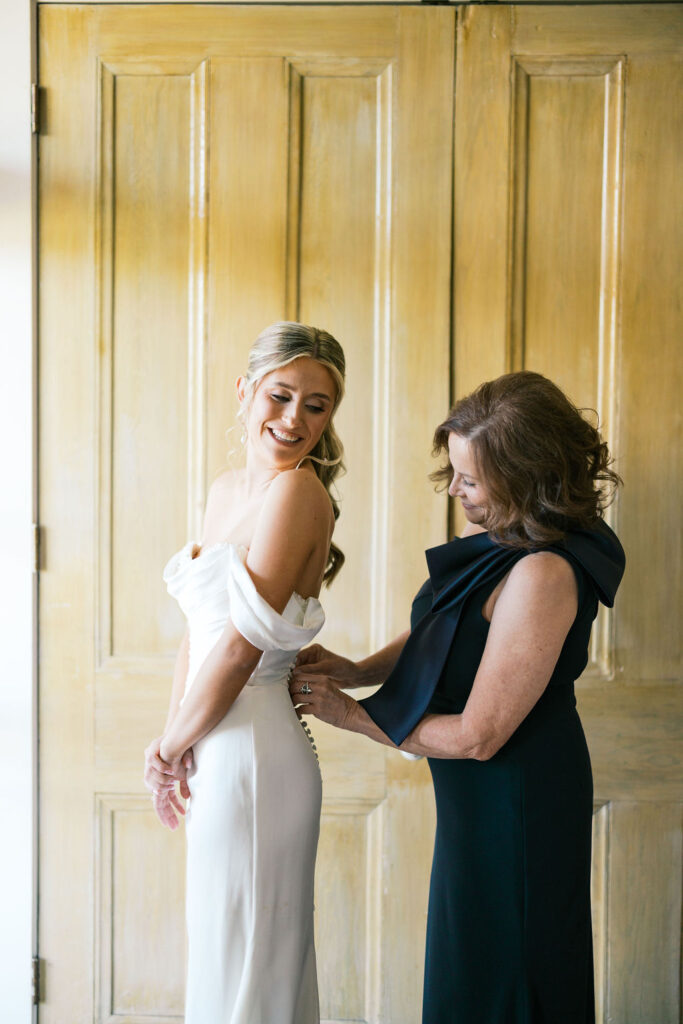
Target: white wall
(15,515)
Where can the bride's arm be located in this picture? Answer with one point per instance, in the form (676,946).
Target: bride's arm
(219,681)
(180,670)
(296,508)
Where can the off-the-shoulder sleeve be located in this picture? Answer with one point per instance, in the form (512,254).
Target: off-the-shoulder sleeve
(260,624)
(173,574)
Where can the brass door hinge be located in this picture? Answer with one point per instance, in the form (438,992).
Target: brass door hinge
(37,547)
(35,108)
(37,981)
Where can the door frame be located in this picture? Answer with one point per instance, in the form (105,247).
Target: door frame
(20,726)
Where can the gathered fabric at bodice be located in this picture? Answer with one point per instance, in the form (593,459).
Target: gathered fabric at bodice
(216,586)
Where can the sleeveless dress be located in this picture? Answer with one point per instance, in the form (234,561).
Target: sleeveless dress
(254,812)
(509,925)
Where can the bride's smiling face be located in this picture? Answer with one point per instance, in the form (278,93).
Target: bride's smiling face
(289,410)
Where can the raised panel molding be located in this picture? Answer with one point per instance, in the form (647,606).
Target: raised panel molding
(565,245)
(139,893)
(139,898)
(644,913)
(348,908)
(634,738)
(339,259)
(374,133)
(599,890)
(173,95)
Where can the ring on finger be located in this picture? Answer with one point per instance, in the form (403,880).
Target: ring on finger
(306,689)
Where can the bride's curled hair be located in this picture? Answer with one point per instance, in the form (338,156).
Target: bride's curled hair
(545,467)
(282,343)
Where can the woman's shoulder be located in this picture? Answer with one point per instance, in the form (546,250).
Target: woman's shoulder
(545,566)
(298,491)
(222,491)
(548,575)
(226,480)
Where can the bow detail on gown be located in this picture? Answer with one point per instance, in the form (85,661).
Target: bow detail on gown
(456,571)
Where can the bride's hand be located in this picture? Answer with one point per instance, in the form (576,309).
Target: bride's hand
(318,661)
(316,695)
(157,775)
(161,777)
(166,803)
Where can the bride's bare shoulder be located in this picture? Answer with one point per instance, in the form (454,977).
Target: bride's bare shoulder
(298,486)
(221,493)
(298,499)
(226,482)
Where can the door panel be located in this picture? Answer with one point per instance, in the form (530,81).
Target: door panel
(567,249)
(207,170)
(204,173)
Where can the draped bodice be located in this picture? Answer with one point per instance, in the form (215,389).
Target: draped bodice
(216,586)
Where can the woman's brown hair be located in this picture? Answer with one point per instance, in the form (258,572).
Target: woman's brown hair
(546,468)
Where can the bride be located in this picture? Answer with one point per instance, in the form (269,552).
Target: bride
(232,739)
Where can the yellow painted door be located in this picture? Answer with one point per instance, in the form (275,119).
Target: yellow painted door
(203,172)
(568,227)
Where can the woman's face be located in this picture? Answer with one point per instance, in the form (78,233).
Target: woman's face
(289,411)
(466,483)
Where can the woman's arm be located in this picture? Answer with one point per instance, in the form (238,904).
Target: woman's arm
(374,669)
(296,508)
(317,662)
(219,681)
(180,670)
(530,622)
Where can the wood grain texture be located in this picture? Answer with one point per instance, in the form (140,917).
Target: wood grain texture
(420,295)
(129,886)
(604,30)
(407,847)
(651,428)
(634,738)
(340,901)
(301,161)
(588,124)
(246,231)
(481,201)
(644,930)
(599,897)
(230,31)
(237,167)
(66,462)
(147,3)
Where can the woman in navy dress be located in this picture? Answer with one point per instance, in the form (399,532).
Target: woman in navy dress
(483,686)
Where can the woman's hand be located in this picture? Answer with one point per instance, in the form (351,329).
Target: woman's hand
(317,661)
(161,776)
(166,802)
(316,695)
(158,774)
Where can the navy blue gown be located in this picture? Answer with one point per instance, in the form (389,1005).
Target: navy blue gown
(509,926)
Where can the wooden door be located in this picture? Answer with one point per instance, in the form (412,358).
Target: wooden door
(568,222)
(205,171)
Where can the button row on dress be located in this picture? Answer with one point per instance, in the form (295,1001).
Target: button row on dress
(311,740)
(305,727)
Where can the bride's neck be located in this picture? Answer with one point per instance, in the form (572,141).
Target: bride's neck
(259,475)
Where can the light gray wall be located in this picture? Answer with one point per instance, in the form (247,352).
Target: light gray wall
(16,636)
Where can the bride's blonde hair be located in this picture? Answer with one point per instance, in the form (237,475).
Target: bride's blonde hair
(278,345)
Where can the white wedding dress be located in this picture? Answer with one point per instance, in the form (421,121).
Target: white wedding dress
(254,812)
